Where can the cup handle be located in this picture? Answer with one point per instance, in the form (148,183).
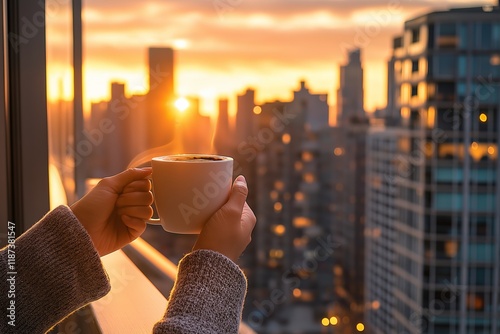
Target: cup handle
(154,221)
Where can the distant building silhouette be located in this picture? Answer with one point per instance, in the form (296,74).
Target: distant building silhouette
(350,97)
(224,137)
(160,98)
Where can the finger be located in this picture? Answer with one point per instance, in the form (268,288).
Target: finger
(119,181)
(140,212)
(136,225)
(141,185)
(238,194)
(248,219)
(135,199)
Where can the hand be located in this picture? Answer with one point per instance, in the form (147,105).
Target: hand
(229,230)
(115,211)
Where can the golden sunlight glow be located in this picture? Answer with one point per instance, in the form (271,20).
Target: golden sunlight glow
(181,43)
(181,104)
(483,117)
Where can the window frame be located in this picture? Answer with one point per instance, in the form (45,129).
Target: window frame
(24,143)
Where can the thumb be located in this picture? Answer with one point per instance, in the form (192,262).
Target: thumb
(238,194)
(119,181)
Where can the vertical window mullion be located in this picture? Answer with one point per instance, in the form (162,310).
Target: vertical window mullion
(26,109)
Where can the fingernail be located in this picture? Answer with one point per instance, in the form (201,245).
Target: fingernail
(143,169)
(241,180)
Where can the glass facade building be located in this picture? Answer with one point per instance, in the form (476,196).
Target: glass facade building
(438,235)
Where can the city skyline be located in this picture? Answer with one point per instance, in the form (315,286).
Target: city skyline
(267,47)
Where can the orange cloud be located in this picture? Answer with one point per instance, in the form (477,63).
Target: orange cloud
(269,45)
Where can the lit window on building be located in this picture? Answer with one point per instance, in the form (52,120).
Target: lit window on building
(301,222)
(286,138)
(279,185)
(273,195)
(483,117)
(405,112)
(299,196)
(309,177)
(475,302)
(482,151)
(491,150)
(298,166)
(278,207)
(307,156)
(279,229)
(276,253)
(431,117)
(375,304)
(257,110)
(451,248)
(297,293)
(338,151)
(300,242)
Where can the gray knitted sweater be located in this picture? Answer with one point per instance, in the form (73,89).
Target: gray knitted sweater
(57,271)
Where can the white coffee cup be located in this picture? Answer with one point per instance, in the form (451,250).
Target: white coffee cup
(189,189)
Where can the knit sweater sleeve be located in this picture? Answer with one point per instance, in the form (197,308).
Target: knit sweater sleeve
(207,296)
(56,271)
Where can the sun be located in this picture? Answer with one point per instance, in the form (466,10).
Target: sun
(181,104)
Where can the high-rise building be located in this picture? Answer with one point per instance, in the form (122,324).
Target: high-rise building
(350,94)
(348,196)
(433,211)
(293,243)
(223,138)
(160,98)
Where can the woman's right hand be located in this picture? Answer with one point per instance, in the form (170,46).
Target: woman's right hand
(229,230)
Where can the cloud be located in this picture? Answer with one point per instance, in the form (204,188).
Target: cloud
(229,36)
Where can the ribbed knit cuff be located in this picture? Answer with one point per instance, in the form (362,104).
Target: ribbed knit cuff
(207,297)
(59,271)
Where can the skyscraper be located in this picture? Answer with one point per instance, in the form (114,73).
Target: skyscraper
(348,204)
(160,98)
(350,94)
(433,212)
(292,242)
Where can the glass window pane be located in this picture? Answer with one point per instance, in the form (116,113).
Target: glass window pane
(59,39)
(448,201)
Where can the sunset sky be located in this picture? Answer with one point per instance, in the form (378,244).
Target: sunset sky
(225,46)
